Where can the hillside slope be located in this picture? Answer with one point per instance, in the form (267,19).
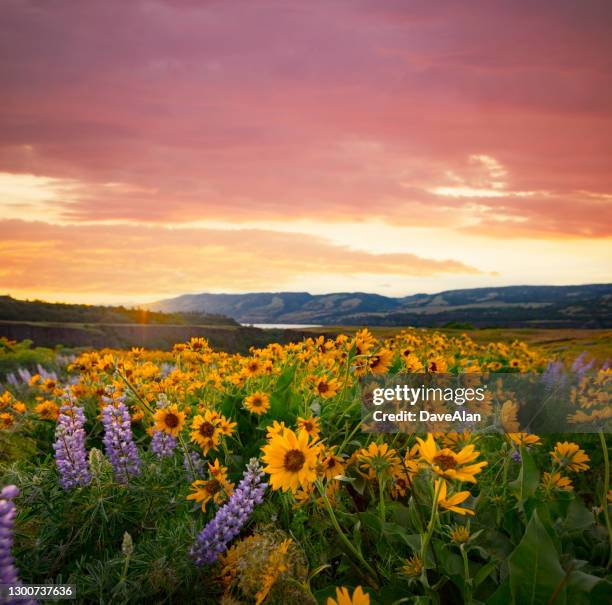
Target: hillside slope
(587,306)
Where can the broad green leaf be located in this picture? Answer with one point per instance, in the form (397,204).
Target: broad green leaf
(584,589)
(534,569)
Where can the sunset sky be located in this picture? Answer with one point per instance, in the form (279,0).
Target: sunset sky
(154,148)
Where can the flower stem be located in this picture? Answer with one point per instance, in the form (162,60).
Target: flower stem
(604,501)
(467,593)
(330,511)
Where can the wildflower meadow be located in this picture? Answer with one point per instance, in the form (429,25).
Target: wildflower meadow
(198,476)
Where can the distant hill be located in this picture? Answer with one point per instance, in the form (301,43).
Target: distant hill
(12,309)
(587,306)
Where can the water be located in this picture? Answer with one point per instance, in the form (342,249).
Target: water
(282,326)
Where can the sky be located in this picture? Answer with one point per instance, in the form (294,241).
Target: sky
(154,148)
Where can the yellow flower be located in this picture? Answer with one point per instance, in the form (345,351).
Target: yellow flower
(343,597)
(381,362)
(276,428)
(205,431)
(524,439)
(170,420)
(452,502)
(257,403)
(325,387)
(6,420)
(291,460)
(460,533)
(19,407)
(437,365)
(413,566)
(47,410)
(508,417)
(570,456)
(378,459)
(330,465)
(447,463)
(275,566)
(556,480)
(310,425)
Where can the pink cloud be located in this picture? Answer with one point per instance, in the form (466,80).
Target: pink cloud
(333,111)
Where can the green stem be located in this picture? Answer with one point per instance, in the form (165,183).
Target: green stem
(604,501)
(430,528)
(381,497)
(467,594)
(187,456)
(129,384)
(330,511)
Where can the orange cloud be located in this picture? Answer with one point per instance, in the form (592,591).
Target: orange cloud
(155,261)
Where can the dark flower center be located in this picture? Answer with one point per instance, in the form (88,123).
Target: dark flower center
(256,402)
(206,429)
(172,421)
(433,366)
(323,387)
(213,486)
(294,460)
(445,461)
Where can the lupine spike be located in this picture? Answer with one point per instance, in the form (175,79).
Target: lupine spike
(69,446)
(8,572)
(119,442)
(163,444)
(231,517)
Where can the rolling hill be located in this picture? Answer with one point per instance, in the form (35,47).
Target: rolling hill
(584,306)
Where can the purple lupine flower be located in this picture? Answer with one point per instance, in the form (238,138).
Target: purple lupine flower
(231,517)
(69,446)
(163,444)
(554,376)
(8,572)
(582,364)
(195,466)
(516,455)
(118,441)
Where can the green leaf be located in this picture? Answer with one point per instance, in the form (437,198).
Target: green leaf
(529,477)
(583,589)
(534,569)
(484,572)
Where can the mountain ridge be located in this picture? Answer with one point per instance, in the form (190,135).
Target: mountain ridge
(575,306)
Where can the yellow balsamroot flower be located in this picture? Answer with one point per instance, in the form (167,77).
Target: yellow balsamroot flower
(291,460)
(508,417)
(378,459)
(47,410)
(330,465)
(205,431)
(276,428)
(413,566)
(275,566)
(381,362)
(310,425)
(6,420)
(170,420)
(257,403)
(6,399)
(437,365)
(460,533)
(447,463)
(524,439)
(217,488)
(570,456)
(451,502)
(556,481)
(343,597)
(226,427)
(19,407)
(325,387)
